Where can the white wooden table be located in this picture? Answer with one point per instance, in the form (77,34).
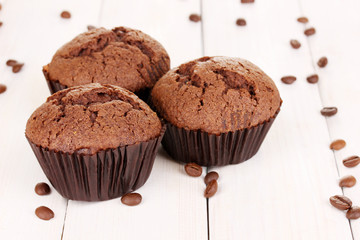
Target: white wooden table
(281,193)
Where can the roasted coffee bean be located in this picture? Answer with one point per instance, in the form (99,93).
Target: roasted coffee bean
(193,170)
(241,22)
(17,67)
(42,189)
(310,31)
(2,88)
(303,19)
(353,213)
(90,27)
(337,144)
(322,62)
(247,1)
(313,78)
(211,189)
(295,43)
(341,202)
(352,161)
(195,17)
(288,79)
(65,14)
(211,176)
(347,181)
(328,111)
(44,213)
(11,62)
(1,23)
(131,199)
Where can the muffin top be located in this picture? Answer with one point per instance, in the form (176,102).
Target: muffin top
(216,95)
(124,57)
(90,118)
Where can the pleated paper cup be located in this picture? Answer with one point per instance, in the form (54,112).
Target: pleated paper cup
(105,175)
(215,150)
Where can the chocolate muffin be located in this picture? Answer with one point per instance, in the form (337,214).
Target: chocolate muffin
(95,142)
(123,56)
(218,110)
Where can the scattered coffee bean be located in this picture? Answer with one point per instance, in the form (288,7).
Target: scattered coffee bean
(353,213)
(310,31)
(322,62)
(90,27)
(247,1)
(2,88)
(65,14)
(195,17)
(193,170)
(295,44)
(347,181)
(241,22)
(131,199)
(11,62)
(211,176)
(44,213)
(328,111)
(313,78)
(42,189)
(341,202)
(288,79)
(303,19)
(211,189)
(17,67)
(352,161)
(1,23)
(337,144)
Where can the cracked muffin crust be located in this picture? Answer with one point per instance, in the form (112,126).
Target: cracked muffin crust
(216,95)
(89,118)
(124,57)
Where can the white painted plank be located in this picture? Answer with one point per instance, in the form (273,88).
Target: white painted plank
(31,33)
(173,205)
(338,37)
(283,192)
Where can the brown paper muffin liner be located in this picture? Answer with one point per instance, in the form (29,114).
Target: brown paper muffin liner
(215,150)
(105,175)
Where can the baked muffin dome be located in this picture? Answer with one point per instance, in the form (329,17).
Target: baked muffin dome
(123,56)
(216,95)
(90,118)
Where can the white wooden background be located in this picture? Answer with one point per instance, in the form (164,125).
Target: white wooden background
(282,193)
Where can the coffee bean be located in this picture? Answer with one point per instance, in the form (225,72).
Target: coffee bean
(310,31)
(347,181)
(353,213)
(195,17)
(11,62)
(247,1)
(352,161)
(303,19)
(17,67)
(1,23)
(313,78)
(211,176)
(65,14)
(193,170)
(322,62)
(337,144)
(42,189)
(90,27)
(2,88)
(211,189)
(341,202)
(295,44)
(241,22)
(288,79)
(44,213)
(328,111)
(131,199)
